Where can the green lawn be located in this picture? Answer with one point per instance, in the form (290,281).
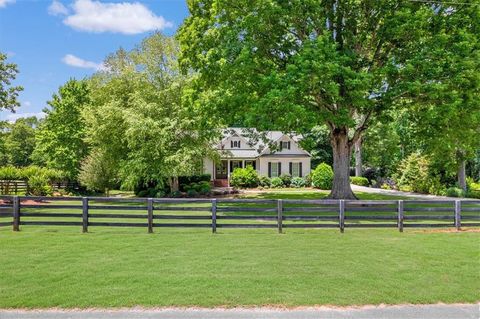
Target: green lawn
(114,267)
(59,267)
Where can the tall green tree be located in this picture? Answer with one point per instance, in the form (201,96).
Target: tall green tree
(142,116)
(20,141)
(60,138)
(8,93)
(299,63)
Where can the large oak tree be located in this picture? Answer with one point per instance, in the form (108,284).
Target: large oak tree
(295,64)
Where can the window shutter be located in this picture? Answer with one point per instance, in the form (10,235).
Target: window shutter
(279,168)
(231,144)
(280,146)
(290,168)
(300,169)
(288,144)
(239,144)
(269,169)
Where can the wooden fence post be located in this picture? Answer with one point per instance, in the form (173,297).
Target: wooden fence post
(150,215)
(85,214)
(279,215)
(400,216)
(458,211)
(214,215)
(16,213)
(341,217)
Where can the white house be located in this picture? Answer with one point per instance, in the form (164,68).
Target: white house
(271,153)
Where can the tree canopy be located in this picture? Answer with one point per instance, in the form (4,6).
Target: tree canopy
(296,64)
(8,93)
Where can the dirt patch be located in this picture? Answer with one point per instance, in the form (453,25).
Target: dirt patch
(25,202)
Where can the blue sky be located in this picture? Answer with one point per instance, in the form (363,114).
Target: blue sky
(52,41)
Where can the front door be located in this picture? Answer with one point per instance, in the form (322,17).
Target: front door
(221,170)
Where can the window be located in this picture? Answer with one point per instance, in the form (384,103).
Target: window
(296,169)
(274,169)
(251,163)
(284,145)
(234,144)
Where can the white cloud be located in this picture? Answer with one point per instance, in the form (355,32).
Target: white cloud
(123,17)
(12,117)
(72,60)
(3,3)
(27,103)
(57,8)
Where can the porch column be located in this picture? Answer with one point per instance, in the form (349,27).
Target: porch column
(228,172)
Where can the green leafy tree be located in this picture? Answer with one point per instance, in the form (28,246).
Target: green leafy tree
(143,117)
(20,141)
(60,138)
(296,64)
(8,93)
(98,172)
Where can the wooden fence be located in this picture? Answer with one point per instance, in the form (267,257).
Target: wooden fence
(153,213)
(9,187)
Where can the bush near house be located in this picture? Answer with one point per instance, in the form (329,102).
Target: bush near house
(265,181)
(286,179)
(298,182)
(322,176)
(244,177)
(277,182)
(454,192)
(360,181)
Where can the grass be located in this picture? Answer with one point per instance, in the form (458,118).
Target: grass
(59,267)
(42,267)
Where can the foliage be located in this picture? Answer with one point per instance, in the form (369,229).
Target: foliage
(244,177)
(415,174)
(38,185)
(317,142)
(98,172)
(8,93)
(276,182)
(298,182)
(18,141)
(60,137)
(308,180)
(194,178)
(286,179)
(358,180)
(264,181)
(322,176)
(454,192)
(202,187)
(473,189)
(143,116)
(345,65)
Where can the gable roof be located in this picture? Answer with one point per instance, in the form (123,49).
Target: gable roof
(259,141)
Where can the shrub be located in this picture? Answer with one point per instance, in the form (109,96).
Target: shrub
(38,185)
(308,180)
(287,179)
(277,182)
(194,179)
(371,174)
(322,176)
(454,192)
(192,193)
(176,194)
(473,189)
(298,182)
(244,177)
(264,181)
(414,175)
(358,180)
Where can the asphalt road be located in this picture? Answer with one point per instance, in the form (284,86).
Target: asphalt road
(391,312)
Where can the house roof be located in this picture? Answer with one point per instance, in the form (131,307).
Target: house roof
(239,153)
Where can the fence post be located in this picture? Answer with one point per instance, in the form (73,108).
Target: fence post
(214,215)
(16,213)
(400,216)
(150,215)
(458,210)
(279,215)
(85,214)
(341,217)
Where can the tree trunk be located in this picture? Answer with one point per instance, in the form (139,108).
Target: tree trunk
(342,152)
(358,158)
(462,182)
(174,184)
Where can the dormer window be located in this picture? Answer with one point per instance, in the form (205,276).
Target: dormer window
(284,145)
(234,144)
